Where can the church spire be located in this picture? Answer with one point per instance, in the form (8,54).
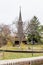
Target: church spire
(20,17)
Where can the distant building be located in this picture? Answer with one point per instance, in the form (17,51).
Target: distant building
(20,37)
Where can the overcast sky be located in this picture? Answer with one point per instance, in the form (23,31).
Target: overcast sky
(9,10)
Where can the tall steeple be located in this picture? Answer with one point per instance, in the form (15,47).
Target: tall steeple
(20,17)
(20,27)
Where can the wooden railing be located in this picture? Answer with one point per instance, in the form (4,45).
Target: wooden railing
(23,61)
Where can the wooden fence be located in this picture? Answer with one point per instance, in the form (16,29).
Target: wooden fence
(23,61)
(25,51)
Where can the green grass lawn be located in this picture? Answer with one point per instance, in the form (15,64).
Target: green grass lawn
(9,55)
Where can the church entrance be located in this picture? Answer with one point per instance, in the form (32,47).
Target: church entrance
(16,42)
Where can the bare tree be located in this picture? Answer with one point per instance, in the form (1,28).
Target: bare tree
(4,32)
